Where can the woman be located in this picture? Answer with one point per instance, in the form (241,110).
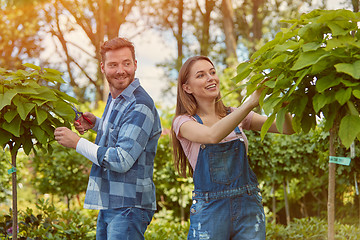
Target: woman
(209,141)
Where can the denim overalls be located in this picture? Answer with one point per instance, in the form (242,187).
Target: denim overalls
(226,199)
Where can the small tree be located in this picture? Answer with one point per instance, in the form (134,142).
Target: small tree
(29,114)
(314,65)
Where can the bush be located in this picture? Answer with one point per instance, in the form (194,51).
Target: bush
(310,229)
(49,223)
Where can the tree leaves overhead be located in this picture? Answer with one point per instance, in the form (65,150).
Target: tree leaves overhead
(317,60)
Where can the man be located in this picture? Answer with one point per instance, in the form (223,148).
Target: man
(120,182)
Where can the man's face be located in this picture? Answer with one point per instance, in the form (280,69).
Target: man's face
(119,69)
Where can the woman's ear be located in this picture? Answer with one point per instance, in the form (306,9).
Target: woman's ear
(187,88)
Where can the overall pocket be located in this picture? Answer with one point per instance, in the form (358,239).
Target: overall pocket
(225,166)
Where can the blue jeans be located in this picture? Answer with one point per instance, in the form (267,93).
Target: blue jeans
(236,218)
(123,223)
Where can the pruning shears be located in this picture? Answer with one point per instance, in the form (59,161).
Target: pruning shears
(79,114)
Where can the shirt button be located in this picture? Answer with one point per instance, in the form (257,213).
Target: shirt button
(194,201)
(202,146)
(192,210)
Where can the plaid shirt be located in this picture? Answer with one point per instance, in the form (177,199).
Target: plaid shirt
(126,153)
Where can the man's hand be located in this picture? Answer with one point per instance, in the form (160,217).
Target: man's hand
(81,125)
(66,137)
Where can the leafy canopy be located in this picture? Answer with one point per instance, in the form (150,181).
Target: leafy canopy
(314,65)
(30,111)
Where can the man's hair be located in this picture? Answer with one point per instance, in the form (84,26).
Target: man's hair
(114,44)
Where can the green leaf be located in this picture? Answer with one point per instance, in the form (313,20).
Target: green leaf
(312,46)
(280,119)
(13,127)
(66,97)
(349,129)
(10,115)
(5,98)
(309,58)
(267,124)
(32,66)
(27,143)
(23,108)
(308,121)
(64,110)
(319,101)
(336,29)
(39,134)
(352,69)
(356,93)
(298,105)
(327,82)
(270,103)
(41,115)
(51,77)
(243,71)
(352,109)
(349,83)
(343,95)
(5,137)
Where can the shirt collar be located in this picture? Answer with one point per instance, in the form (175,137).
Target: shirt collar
(128,92)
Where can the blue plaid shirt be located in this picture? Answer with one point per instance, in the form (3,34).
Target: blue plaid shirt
(126,153)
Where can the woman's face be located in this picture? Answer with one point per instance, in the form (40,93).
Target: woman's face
(203,83)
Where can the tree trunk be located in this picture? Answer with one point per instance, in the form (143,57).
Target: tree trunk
(179,36)
(287,209)
(14,195)
(274,204)
(331,193)
(205,39)
(230,39)
(355,4)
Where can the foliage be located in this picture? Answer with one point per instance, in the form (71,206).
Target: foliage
(173,192)
(166,229)
(49,223)
(313,65)
(63,173)
(310,229)
(29,111)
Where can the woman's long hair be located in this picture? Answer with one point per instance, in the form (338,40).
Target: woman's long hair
(186,104)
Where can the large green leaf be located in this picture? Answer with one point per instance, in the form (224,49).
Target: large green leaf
(29,65)
(10,115)
(41,115)
(280,119)
(13,127)
(327,82)
(5,98)
(309,58)
(64,110)
(265,128)
(349,129)
(5,137)
(23,107)
(343,95)
(352,69)
(39,134)
(319,101)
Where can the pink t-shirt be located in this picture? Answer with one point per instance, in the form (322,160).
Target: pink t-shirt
(191,149)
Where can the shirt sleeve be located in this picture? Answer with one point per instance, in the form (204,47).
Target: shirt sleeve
(178,121)
(131,136)
(88,150)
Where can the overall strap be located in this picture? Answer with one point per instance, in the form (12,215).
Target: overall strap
(198,119)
